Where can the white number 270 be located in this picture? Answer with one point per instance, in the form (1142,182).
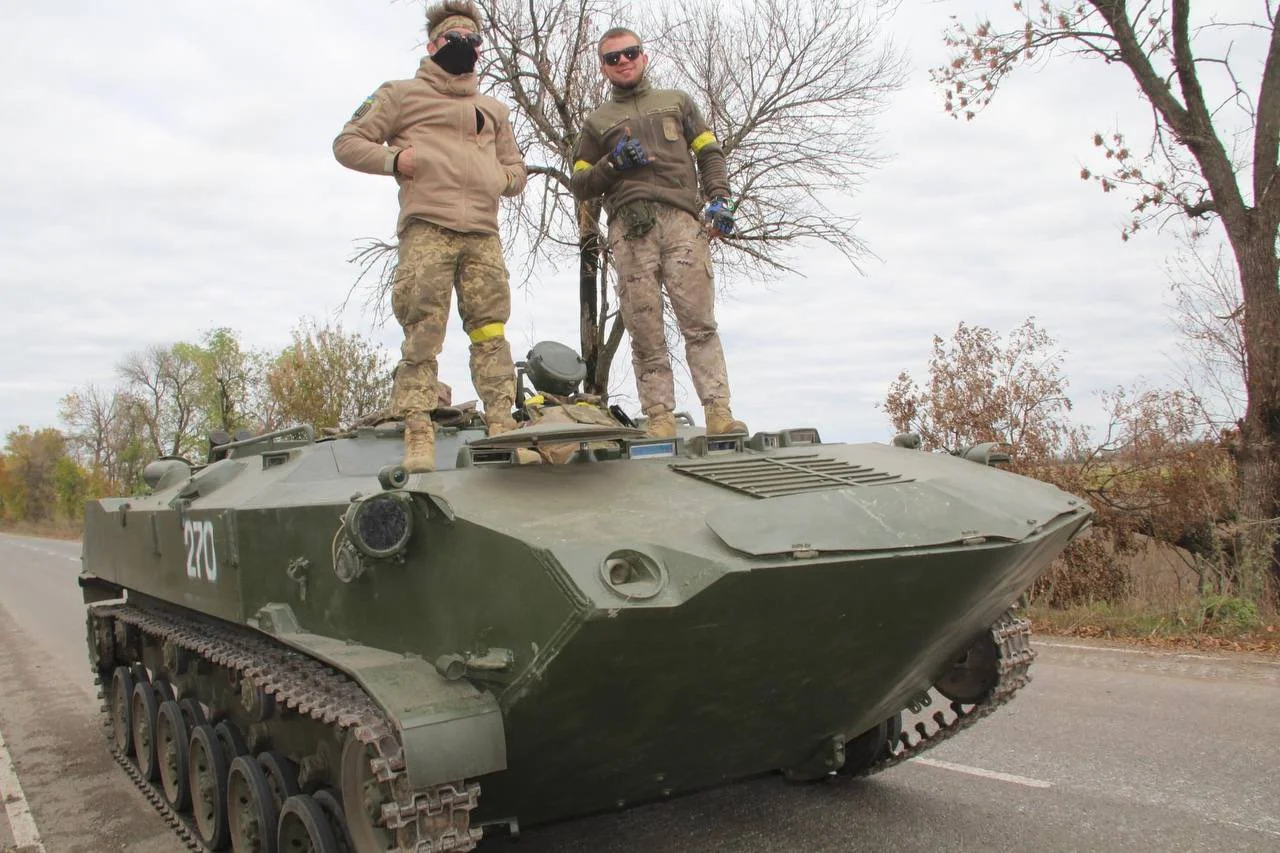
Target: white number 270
(202,558)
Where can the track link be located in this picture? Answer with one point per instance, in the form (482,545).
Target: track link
(1012,636)
(436,820)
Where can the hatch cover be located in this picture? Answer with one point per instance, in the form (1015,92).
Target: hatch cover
(776,476)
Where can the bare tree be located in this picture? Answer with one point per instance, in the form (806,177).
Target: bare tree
(1212,155)
(790,89)
(1208,313)
(164,383)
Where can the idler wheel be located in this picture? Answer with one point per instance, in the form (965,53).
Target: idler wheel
(363,797)
(208,776)
(974,674)
(282,776)
(143,708)
(122,709)
(304,827)
(252,815)
(171,752)
(331,804)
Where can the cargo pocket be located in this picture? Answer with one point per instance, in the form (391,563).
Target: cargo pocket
(402,300)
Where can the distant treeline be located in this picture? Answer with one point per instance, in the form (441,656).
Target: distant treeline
(169,399)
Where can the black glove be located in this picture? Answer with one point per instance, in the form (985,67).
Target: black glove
(628,154)
(720,214)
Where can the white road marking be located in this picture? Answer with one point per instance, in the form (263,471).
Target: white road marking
(1248,826)
(1120,651)
(15,804)
(985,774)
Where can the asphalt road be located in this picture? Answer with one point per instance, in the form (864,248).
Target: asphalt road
(1107,749)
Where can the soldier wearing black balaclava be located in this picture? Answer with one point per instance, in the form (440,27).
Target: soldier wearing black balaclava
(452,153)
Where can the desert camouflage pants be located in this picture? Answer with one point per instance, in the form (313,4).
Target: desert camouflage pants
(673,255)
(433,262)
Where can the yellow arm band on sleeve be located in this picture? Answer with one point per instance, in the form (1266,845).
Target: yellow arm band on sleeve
(702,140)
(486,333)
(581,166)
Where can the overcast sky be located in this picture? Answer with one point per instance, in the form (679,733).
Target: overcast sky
(166,168)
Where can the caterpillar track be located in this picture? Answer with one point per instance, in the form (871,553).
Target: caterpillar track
(437,820)
(1012,638)
(295,686)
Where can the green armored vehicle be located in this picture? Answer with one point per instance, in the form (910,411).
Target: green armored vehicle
(303,648)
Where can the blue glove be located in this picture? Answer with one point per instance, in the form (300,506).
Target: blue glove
(720,214)
(628,154)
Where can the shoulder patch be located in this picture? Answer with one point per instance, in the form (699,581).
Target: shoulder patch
(364,107)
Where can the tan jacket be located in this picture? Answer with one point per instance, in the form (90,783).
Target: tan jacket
(673,133)
(465,154)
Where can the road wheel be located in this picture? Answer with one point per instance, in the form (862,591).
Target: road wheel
(144,727)
(304,827)
(231,740)
(282,776)
(363,797)
(208,769)
(331,804)
(171,754)
(252,815)
(122,710)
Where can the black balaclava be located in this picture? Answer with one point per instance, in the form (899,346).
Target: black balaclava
(456,57)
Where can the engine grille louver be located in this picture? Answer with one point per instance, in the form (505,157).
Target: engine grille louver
(774,477)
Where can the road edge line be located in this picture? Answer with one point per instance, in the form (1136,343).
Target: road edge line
(21,822)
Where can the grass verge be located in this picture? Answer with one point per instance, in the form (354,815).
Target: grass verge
(1206,623)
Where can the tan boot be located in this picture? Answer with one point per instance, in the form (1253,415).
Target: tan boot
(661,425)
(419,444)
(523,455)
(498,425)
(720,420)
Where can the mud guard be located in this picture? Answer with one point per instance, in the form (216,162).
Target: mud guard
(450,730)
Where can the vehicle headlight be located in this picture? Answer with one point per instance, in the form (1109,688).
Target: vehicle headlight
(380,525)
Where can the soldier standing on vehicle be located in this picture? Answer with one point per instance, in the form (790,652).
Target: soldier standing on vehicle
(638,151)
(452,152)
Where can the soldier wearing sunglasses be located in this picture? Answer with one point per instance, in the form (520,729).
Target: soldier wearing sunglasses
(452,153)
(639,151)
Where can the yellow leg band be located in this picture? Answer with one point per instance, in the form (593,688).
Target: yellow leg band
(487,333)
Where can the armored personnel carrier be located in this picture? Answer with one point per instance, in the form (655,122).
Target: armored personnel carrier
(303,648)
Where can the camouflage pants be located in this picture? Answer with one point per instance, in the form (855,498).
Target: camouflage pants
(674,254)
(433,262)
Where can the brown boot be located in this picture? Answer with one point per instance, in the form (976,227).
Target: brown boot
(661,425)
(720,420)
(419,444)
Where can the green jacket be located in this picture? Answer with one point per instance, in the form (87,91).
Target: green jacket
(673,133)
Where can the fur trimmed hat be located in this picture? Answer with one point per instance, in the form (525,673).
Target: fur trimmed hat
(452,14)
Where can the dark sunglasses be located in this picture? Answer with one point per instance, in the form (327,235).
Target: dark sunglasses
(473,39)
(613,57)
